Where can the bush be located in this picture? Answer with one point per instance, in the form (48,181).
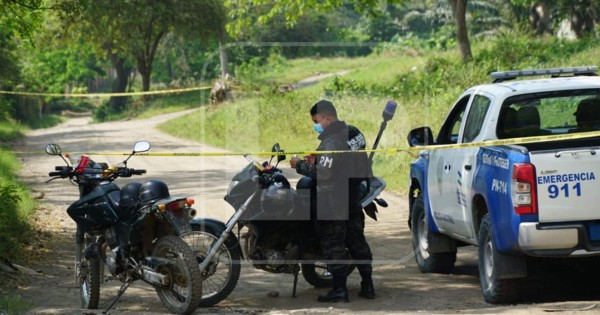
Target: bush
(16,205)
(12,304)
(13,224)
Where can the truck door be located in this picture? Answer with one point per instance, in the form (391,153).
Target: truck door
(441,176)
(463,162)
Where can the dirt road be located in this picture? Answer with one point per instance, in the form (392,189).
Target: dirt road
(400,287)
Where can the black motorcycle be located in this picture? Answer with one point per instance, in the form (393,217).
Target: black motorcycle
(138,232)
(275,226)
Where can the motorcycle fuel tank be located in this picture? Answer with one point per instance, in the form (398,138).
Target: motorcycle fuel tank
(96,208)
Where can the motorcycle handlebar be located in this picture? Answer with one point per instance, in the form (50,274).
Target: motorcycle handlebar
(128,172)
(61,172)
(123,172)
(137,172)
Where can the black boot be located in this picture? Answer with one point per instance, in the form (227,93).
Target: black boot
(367,290)
(335,295)
(339,292)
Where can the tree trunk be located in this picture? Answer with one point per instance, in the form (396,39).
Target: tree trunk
(539,18)
(117,103)
(145,58)
(144,67)
(224,60)
(459,8)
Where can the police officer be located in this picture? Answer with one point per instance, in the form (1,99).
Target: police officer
(339,217)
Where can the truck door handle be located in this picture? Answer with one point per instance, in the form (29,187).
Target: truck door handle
(575,152)
(468,167)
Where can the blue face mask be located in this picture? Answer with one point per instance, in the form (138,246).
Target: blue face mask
(318,128)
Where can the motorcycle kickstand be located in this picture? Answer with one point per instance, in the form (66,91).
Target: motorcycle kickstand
(120,293)
(296,271)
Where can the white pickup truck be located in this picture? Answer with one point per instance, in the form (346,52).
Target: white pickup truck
(532,188)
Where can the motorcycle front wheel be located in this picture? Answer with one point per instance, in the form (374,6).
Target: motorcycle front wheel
(184,289)
(222,273)
(88,271)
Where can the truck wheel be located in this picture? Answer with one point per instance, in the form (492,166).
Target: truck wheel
(495,291)
(421,237)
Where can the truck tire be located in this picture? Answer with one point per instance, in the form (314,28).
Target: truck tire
(495,291)
(421,237)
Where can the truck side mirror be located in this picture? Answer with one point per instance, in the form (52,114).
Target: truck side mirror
(420,136)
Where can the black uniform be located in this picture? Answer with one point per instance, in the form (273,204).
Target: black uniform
(340,220)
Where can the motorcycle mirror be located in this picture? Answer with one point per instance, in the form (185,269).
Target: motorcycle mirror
(280,157)
(141,146)
(53,149)
(275,148)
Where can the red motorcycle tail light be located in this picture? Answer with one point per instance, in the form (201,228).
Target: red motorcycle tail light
(177,207)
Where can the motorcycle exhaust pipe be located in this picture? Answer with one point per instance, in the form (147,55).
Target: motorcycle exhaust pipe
(191,213)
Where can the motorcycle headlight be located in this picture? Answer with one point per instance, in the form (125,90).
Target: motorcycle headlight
(232,186)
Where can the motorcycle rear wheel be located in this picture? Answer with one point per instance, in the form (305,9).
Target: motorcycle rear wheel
(222,274)
(184,291)
(89,282)
(317,275)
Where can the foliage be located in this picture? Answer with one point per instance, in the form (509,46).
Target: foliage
(61,69)
(147,107)
(244,13)
(16,205)
(581,13)
(182,62)
(129,31)
(22,17)
(9,59)
(11,304)
(425,87)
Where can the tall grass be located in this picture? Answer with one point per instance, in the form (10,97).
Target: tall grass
(16,206)
(13,305)
(424,86)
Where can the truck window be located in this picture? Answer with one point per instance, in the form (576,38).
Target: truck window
(449,132)
(476,117)
(549,113)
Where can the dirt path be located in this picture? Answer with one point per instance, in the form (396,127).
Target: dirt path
(400,287)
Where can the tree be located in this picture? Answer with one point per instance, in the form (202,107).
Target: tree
(581,15)
(18,20)
(459,9)
(133,29)
(21,17)
(244,13)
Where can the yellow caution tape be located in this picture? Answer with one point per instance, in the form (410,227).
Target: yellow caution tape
(107,94)
(411,150)
(521,140)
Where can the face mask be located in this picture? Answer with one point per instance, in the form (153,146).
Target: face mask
(318,128)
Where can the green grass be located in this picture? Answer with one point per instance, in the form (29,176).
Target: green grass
(172,103)
(13,304)
(384,64)
(16,211)
(255,124)
(425,87)
(16,206)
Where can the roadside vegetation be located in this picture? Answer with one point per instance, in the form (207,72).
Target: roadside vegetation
(411,52)
(17,206)
(425,85)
